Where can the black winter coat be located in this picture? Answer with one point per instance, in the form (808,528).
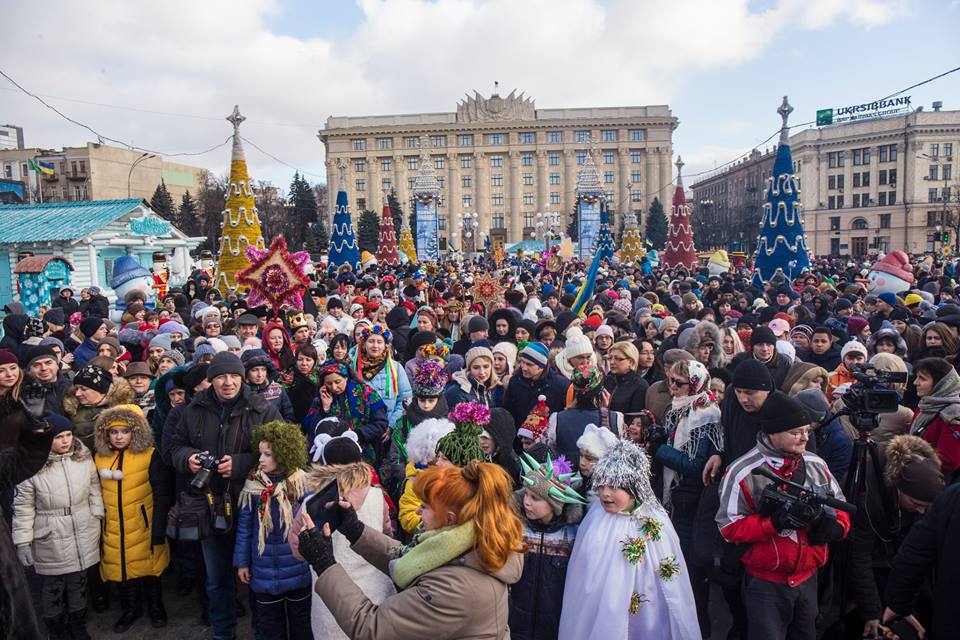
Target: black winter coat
(69,306)
(97,306)
(628,392)
(203,426)
(829,360)
(779,367)
(521,395)
(931,546)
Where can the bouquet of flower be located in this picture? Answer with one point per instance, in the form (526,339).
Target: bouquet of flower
(473,414)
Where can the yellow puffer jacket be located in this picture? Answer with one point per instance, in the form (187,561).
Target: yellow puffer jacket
(409,502)
(128,504)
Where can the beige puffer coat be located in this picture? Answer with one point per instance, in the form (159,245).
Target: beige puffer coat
(59,512)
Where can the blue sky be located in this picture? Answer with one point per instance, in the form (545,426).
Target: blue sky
(722,66)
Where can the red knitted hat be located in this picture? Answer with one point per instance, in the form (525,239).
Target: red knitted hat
(896,264)
(537,421)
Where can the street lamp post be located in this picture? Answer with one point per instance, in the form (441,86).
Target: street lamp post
(548,224)
(469,222)
(143,156)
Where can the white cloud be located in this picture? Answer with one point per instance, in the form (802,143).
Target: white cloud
(201,58)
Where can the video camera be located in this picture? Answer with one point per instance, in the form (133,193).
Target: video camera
(864,401)
(802,507)
(208,464)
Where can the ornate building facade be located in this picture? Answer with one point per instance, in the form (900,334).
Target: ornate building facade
(505,160)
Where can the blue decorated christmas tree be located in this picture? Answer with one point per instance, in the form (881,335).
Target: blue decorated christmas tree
(781,244)
(604,238)
(343,242)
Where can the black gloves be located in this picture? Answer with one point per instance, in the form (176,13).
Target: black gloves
(317,549)
(824,530)
(656,436)
(350,525)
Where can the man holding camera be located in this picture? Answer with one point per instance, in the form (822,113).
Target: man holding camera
(213,437)
(787,538)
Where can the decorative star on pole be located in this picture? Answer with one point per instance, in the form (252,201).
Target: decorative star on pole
(487,290)
(275,276)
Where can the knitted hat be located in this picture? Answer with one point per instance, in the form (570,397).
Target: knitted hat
(912,299)
(342,449)
(626,467)
(477,352)
(888,297)
(689,297)
(430,380)
(814,402)
(537,353)
(174,327)
(592,323)
(782,413)
(161,341)
(537,421)
(125,269)
(55,316)
(94,377)
(853,346)
(897,264)
(577,344)
(587,380)
(477,323)
(423,439)
(752,375)
(203,349)
(912,466)
(174,355)
(802,329)
(763,335)
(224,363)
(257,358)
(53,342)
(7,357)
(230,341)
(509,351)
(58,424)
(856,324)
(89,326)
(40,351)
(551,481)
(597,441)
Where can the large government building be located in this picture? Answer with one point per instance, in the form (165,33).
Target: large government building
(504,161)
(865,185)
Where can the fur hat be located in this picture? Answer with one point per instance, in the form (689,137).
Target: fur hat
(551,481)
(597,441)
(625,467)
(424,438)
(913,467)
(122,415)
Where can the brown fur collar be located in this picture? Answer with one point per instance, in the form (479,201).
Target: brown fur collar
(120,393)
(132,416)
(79,454)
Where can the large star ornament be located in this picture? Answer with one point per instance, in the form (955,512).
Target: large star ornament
(486,289)
(275,276)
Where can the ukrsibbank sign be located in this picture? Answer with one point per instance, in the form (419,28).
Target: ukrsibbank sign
(865,111)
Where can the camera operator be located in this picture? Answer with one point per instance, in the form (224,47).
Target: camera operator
(218,422)
(911,480)
(787,544)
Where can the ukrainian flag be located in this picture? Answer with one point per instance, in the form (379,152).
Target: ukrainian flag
(40,166)
(586,289)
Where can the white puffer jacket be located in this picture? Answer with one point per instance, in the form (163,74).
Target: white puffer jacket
(59,513)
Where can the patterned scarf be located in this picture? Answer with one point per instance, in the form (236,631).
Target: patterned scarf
(260,490)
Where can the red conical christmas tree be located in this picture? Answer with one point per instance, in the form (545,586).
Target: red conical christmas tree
(387,243)
(680,251)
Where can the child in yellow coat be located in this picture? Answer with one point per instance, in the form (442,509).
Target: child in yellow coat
(136,497)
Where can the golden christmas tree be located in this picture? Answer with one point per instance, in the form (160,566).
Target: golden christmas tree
(241,222)
(407,247)
(631,245)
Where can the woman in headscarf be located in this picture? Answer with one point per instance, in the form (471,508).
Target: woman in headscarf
(503,326)
(690,436)
(375,366)
(937,419)
(276,343)
(355,404)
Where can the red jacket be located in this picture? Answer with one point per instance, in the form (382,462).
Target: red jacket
(785,557)
(945,438)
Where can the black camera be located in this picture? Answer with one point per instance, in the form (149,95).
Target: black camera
(208,465)
(867,398)
(803,506)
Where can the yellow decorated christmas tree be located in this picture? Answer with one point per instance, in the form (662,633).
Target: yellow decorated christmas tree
(407,247)
(631,245)
(241,222)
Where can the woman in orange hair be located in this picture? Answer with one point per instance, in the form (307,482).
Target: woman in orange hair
(453,578)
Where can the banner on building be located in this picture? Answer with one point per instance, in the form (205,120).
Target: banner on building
(428,227)
(588,223)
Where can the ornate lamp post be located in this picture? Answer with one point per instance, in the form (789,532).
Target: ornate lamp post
(547,226)
(469,222)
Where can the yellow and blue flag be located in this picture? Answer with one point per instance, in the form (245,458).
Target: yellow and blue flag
(40,166)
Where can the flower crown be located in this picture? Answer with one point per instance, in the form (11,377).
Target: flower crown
(439,349)
(377,330)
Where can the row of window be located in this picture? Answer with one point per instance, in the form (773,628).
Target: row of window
(526,160)
(860,157)
(940,172)
(77,167)
(947,148)
(526,137)
(884,198)
(938,195)
(860,223)
(496,180)
(862,179)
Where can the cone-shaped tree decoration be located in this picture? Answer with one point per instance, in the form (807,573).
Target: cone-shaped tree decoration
(781,244)
(387,242)
(680,250)
(604,238)
(407,247)
(343,242)
(631,246)
(241,222)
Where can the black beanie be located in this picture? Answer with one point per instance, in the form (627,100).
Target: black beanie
(94,377)
(223,363)
(58,424)
(763,335)
(753,375)
(477,323)
(89,326)
(782,413)
(55,316)
(194,376)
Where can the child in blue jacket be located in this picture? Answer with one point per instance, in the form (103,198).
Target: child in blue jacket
(280,584)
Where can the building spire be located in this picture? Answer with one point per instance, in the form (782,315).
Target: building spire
(785,110)
(235,119)
(679,165)
(341,175)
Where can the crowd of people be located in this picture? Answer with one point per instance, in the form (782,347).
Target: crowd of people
(401,459)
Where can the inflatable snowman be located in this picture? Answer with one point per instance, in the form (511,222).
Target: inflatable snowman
(129,276)
(892,273)
(719,263)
